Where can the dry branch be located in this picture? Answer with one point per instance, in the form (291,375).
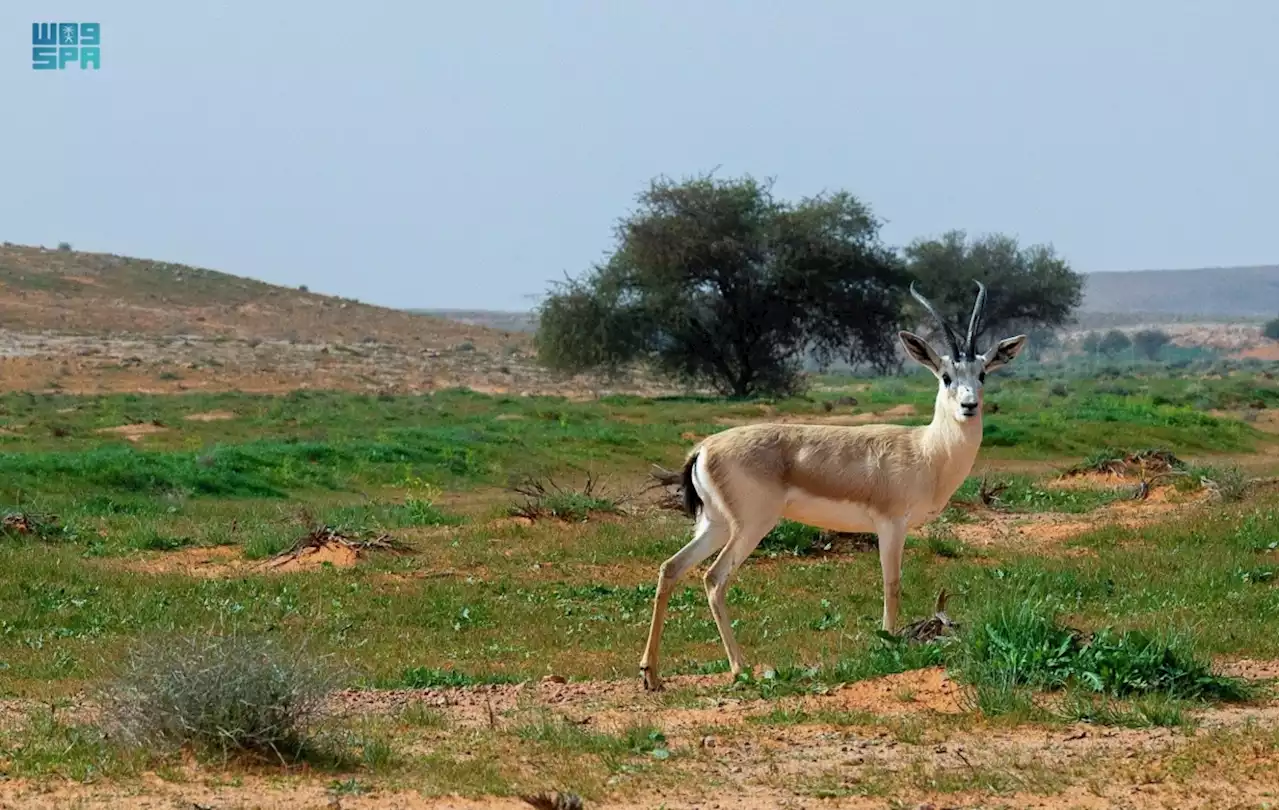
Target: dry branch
(323,536)
(554,801)
(936,626)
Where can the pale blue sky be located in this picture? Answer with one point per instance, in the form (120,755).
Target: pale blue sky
(463,154)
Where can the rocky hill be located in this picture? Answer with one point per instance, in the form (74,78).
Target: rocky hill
(88,322)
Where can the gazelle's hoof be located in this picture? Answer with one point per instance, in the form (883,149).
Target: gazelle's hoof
(650,679)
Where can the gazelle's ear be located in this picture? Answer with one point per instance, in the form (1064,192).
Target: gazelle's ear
(921,351)
(1002,353)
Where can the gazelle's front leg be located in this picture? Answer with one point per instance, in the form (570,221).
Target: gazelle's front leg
(893,536)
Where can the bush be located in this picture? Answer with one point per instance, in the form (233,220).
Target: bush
(1271,329)
(226,694)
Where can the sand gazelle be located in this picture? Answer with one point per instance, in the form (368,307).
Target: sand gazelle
(870,478)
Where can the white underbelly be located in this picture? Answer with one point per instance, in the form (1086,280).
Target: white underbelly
(826,513)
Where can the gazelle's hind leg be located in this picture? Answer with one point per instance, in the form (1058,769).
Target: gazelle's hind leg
(709,535)
(742,542)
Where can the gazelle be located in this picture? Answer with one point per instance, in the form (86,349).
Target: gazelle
(870,478)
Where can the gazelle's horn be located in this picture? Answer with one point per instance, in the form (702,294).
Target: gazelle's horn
(979,309)
(953,340)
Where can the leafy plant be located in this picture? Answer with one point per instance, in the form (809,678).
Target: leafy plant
(1025,646)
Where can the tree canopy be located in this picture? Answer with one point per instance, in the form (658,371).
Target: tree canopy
(718,282)
(1150,342)
(1114,342)
(1027,288)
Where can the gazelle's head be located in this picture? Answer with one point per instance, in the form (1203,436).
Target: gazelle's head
(962,373)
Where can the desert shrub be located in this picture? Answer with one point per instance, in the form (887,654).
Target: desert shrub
(1228,483)
(232,695)
(543,498)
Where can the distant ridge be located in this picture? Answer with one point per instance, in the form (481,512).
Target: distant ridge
(1245,292)
(1110,298)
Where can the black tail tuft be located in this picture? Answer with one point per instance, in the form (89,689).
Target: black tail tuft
(692,503)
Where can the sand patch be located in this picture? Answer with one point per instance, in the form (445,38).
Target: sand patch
(208,563)
(1091,480)
(1046,532)
(907,692)
(210,416)
(134,433)
(219,562)
(1249,669)
(1270,351)
(335,554)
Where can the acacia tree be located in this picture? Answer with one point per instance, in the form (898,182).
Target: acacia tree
(1027,288)
(1150,342)
(718,282)
(1114,342)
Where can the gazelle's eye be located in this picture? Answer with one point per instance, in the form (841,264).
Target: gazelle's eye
(946,380)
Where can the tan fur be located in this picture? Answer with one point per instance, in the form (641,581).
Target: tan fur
(884,467)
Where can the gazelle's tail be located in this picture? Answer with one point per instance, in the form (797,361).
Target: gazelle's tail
(692,501)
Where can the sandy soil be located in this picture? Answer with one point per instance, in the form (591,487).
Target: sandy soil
(896,731)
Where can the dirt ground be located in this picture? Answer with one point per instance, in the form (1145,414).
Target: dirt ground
(726,760)
(103,364)
(912,729)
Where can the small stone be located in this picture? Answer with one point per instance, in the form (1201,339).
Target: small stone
(708,742)
(553,679)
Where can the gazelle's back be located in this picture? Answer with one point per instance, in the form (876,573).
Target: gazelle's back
(874,466)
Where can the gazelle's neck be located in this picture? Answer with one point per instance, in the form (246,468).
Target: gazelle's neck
(951,444)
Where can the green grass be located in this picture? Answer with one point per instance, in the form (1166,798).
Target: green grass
(484,602)
(63,611)
(1023,493)
(334,441)
(1023,644)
